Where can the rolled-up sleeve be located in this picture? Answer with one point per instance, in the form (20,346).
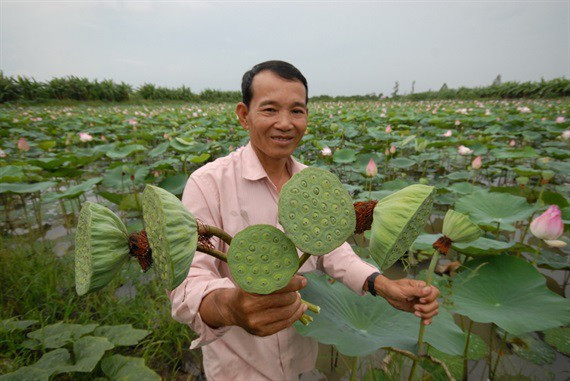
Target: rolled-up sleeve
(346,266)
(204,275)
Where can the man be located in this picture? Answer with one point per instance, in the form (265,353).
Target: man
(245,336)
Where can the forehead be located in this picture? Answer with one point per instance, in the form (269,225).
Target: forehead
(268,86)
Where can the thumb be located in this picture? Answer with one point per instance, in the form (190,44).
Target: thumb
(416,289)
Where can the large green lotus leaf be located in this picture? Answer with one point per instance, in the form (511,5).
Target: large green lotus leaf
(478,350)
(530,348)
(101,247)
(492,208)
(358,326)
(516,153)
(121,335)
(119,179)
(159,149)
(424,242)
(174,184)
(509,292)
(398,220)
(459,175)
(11,324)
(483,246)
(552,260)
(172,233)
(78,189)
(11,174)
(121,153)
(25,187)
(559,338)
(87,351)
(119,367)
(47,365)
(343,156)
(402,163)
(59,334)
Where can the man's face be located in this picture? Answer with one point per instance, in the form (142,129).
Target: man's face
(276,117)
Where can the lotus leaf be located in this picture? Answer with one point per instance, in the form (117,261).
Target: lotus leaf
(119,367)
(402,163)
(174,184)
(398,220)
(344,156)
(424,242)
(101,247)
(559,338)
(458,227)
(316,211)
(509,292)
(172,234)
(121,153)
(495,208)
(483,246)
(262,259)
(25,187)
(358,326)
(78,189)
(552,260)
(531,348)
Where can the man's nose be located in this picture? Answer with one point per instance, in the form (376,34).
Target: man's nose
(285,120)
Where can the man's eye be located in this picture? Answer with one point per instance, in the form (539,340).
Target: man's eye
(298,111)
(269,109)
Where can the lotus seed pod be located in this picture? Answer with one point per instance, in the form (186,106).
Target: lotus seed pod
(398,220)
(459,228)
(172,234)
(316,211)
(101,247)
(262,259)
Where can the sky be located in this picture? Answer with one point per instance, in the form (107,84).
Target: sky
(342,47)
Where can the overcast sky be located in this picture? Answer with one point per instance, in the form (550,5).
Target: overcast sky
(341,47)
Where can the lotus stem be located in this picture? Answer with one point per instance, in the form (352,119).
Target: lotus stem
(526,228)
(208,230)
(466,350)
(26,213)
(537,252)
(305,319)
(311,307)
(499,355)
(429,278)
(354,367)
(490,360)
(213,252)
(303,259)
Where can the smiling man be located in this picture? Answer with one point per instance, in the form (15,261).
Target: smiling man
(248,336)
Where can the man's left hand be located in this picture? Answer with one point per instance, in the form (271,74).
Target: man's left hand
(409,295)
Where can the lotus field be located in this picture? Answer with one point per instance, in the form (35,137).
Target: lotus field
(472,197)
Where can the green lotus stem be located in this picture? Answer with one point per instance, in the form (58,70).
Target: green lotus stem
(204,229)
(498,232)
(303,259)
(537,252)
(213,252)
(499,355)
(354,367)
(490,359)
(311,307)
(466,350)
(526,228)
(429,278)
(26,213)
(305,319)
(539,199)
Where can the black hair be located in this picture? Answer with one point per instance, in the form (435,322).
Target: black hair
(281,68)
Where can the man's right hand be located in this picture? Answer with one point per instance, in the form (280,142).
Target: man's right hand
(260,315)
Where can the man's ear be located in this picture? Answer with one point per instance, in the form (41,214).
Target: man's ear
(241,112)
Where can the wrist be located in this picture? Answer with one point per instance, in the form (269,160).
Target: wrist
(380,285)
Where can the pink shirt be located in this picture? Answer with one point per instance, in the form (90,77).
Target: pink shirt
(232,193)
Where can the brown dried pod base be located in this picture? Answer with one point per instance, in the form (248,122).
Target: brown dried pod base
(140,249)
(364,215)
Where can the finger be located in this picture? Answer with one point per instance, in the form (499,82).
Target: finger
(288,315)
(426,308)
(282,300)
(425,316)
(431,297)
(295,284)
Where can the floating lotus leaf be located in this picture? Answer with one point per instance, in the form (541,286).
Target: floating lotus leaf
(172,234)
(459,228)
(509,292)
(398,220)
(552,260)
(316,211)
(483,246)
(101,247)
(495,208)
(262,259)
(360,325)
(530,348)
(559,338)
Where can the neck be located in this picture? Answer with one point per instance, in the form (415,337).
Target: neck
(276,170)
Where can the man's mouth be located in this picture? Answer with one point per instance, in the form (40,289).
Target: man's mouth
(281,138)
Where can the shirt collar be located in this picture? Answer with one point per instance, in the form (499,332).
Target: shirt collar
(253,170)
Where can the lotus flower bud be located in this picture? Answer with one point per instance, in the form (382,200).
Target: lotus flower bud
(388,129)
(477,162)
(462,150)
(447,133)
(566,135)
(459,228)
(371,169)
(549,226)
(512,143)
(2,153)
(560,119)
(23,145)
(326,151)
(85,137)
(392,149)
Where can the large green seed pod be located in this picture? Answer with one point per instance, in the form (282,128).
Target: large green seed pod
(316,211)
(459,228)
(398,220)
(172,234)
(262,259)
(101,247)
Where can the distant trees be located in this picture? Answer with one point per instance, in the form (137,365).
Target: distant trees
(497,81)
(395,89)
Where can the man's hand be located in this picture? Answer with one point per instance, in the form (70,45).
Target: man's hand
(260,315)
(409,295)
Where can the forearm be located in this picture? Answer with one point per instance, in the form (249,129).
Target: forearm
(215,309)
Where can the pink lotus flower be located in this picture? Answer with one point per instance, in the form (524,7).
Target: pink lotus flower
(566,135)
(388,129)
(2,153)
(457,122)
(133,122)
(392,149)
(103,138)
(85,137)
(477,162)
(371,169)
(447,133)
(549,226)
(23,145)
(462,150)
(326,151)
(512,143)
(560,119)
